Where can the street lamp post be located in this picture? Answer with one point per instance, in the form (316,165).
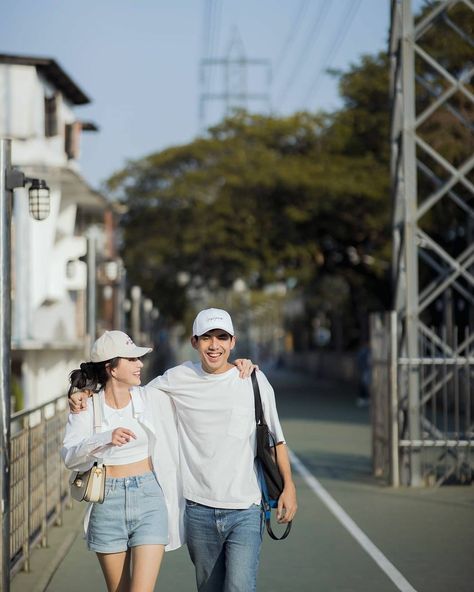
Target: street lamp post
(5,356)
(92,236)
(136,312)
(10,178)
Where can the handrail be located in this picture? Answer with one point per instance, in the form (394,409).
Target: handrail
(39,484)
(23,412)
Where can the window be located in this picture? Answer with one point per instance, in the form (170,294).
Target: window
(72,135)
(51,116)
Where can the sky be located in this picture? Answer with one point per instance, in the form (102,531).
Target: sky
(140,60)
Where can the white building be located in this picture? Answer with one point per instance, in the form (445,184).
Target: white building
(37,102)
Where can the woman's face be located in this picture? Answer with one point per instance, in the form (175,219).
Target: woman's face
(127,371)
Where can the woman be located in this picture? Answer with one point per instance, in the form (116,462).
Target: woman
(143,507)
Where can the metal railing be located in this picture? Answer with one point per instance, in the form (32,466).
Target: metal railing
(39,483)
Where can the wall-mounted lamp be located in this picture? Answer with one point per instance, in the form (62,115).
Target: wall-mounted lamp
(38,198)
(38,193)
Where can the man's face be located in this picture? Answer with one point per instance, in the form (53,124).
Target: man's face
(214,349)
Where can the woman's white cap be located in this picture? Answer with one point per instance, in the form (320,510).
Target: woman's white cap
(212,318)
(116,344)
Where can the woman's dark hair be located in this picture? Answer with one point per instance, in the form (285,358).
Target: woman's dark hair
(91,376)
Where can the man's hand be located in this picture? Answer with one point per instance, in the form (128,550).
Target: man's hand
(78,401)
(287,505)
(245,367)
(121,436)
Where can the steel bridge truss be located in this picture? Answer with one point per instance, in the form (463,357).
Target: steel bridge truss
(432,67)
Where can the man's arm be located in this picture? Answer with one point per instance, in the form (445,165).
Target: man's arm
(78,400)
(287,504)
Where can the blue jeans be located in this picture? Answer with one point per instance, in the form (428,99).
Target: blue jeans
(224,546)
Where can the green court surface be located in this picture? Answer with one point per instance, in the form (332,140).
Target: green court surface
(424,535)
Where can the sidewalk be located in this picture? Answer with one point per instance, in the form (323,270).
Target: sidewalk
(45,561)
(425,533)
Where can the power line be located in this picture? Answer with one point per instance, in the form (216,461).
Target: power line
(337,41)
(211,34)
(215,28)
(206,28)
(291,35)
(309,41)
(206,43)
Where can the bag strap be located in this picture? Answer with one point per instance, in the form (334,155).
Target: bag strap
(270,531)
(259,418)
(97,412)
(97,420)
(267,511)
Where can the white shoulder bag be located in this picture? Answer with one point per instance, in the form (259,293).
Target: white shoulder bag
(89,486)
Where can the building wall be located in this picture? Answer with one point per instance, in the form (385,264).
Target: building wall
(22,117)
(49,280)
(45,373)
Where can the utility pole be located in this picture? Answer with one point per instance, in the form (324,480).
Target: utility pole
(235,67)
(136,313)
(38,193)
(6,197)
(92,236)
(446,271)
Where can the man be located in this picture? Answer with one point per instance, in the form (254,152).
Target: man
(216,432)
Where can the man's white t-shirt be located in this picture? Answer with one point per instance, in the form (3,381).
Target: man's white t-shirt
(216,427)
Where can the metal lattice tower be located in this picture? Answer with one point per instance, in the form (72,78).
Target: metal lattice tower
(433,227)
(235,67)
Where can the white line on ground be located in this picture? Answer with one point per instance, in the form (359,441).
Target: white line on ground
(390,570)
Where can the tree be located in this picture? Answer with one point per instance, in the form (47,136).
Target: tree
(260,198)
(303,199)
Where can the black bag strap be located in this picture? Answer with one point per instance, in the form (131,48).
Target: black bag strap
(259,418)
(270,531)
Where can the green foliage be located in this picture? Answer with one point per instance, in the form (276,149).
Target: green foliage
(264,199)
(260,198)
(303,199)
(17,395)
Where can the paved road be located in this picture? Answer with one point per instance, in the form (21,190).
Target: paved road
(424,536)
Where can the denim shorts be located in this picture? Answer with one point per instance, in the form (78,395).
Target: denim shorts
(133,513)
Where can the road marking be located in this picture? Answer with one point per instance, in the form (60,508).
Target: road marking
(390,570)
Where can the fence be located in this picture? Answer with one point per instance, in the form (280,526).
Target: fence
(39,481)
(441,441)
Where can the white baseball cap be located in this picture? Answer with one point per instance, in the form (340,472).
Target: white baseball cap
(116,344)
(212,318)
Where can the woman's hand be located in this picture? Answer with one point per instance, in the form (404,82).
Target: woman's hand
(245,367)
(121,436)
(78,401)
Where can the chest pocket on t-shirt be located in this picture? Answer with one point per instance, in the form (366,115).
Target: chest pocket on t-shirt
(241,422)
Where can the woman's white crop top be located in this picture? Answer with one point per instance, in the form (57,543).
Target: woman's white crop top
(132,451)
